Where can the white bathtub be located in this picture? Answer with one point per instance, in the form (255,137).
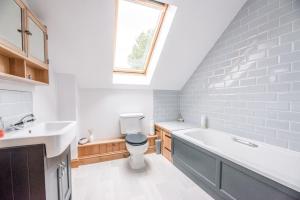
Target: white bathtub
(279,164)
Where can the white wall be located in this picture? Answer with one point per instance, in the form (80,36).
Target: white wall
(68,104)
(45,100)
(66,95)
(100,109)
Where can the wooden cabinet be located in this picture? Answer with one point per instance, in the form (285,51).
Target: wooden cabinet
(26,174)
(23,44)
(37,37)
(166,141)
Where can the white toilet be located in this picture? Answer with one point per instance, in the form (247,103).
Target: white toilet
(136,141)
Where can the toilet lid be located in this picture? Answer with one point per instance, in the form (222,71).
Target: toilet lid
(136,139)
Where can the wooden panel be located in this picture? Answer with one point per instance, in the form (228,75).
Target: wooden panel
(167,142)
(109,147)
(75,163)
(159,134)
(122,146)
(36,163)
(105,150)
(20,172)
(6,189)
(167,154)
(93,149)
(12,66)
(36,74)
(17,67)
(4,64)
(167,134)
(116,146)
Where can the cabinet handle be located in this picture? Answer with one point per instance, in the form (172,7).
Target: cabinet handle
(28,32)
(61,169)
(20,30)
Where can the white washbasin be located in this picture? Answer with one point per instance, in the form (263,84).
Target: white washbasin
(57,136)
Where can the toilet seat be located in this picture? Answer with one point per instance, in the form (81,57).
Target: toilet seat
(136,139)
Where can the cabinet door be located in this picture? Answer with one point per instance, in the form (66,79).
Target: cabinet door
(36,39)
(22,174)
(64,177)
(11,30)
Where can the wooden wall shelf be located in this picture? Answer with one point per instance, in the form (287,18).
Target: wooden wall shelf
(104,150)
(18,58)
(14,66)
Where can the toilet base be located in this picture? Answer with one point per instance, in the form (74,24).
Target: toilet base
(137,161)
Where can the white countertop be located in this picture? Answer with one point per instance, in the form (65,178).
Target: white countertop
(56,136)
(176,126)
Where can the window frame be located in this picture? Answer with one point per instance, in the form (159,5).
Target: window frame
(148,3)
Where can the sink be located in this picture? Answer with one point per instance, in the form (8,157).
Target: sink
(56,136)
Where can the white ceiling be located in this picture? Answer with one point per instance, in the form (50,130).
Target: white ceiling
(81,38)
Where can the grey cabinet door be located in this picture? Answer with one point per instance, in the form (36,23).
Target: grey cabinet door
(64,177)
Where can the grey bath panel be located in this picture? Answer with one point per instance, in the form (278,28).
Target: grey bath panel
(235,183)
(203,164)
(223,179)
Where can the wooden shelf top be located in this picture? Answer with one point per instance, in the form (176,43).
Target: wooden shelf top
(11,53)
(5,76)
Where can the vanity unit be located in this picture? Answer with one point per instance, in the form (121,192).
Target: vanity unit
(23,44)
(35,162)
(163,130)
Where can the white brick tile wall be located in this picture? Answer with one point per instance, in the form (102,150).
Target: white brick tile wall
(14,105)
(166,105)
(249,83)
(296,66)
(296,25)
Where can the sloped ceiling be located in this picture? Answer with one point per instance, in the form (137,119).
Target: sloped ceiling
(81,38)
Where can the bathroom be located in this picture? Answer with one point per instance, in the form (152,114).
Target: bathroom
(189,100)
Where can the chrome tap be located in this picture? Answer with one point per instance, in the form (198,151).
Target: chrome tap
(26,119)
(22,122)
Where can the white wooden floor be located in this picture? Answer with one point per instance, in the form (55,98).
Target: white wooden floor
(114,180)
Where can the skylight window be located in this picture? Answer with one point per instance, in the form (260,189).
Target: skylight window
(138,26)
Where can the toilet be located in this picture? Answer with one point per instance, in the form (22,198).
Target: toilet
(136,141)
